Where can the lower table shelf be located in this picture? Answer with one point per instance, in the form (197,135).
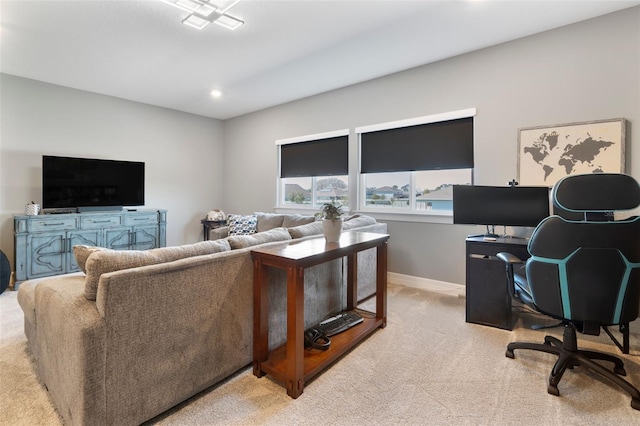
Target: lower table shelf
(314,360)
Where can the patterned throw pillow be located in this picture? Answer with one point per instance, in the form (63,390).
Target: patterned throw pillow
(242,225)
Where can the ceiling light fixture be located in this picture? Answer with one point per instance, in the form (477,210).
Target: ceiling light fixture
(204,12)
(216,93)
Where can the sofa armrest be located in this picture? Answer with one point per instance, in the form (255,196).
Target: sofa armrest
(218,233)
(71,349)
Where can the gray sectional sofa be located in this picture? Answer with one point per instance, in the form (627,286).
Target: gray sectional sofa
(137,332)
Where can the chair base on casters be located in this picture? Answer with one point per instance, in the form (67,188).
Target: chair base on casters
(570,356)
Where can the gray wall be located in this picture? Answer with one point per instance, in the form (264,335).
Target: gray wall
(182,152)
(587,71)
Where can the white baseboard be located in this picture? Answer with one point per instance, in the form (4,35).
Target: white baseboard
(443,287)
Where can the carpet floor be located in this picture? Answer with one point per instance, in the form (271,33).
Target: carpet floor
(427,367)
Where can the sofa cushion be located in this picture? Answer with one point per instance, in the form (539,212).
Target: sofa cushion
(104,261)
(243,241)
(357,221)
(169,254)
(268,221)
(242,225)
(82,253)
(292,220)
(313,228)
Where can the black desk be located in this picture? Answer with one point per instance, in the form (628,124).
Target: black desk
(488,299)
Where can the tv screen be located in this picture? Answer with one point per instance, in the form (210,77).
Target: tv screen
(87,183)
(500,205)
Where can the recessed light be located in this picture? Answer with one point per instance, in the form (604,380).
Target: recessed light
(216,93)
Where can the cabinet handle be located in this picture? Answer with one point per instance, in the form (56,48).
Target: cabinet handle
(101,221)
(53,224)
(63,248)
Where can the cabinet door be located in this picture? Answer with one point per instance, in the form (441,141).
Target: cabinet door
(75,238)
(47,252)
(145,237)
(117,238)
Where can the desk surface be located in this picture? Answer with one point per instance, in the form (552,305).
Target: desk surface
(500,240)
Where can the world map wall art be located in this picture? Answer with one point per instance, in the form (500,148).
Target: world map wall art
(548,153)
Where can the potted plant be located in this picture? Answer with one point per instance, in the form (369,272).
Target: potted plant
(331,215)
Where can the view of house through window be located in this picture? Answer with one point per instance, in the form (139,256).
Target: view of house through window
(429,190)
(315,191)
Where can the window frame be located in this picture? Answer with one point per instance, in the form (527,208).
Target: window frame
(413,214)
(280,205)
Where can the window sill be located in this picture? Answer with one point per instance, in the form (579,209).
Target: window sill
(417,217)
(395,216)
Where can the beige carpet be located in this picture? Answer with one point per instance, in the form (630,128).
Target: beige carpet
(427,367)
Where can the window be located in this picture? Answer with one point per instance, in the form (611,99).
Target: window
(313,170)
(412,165)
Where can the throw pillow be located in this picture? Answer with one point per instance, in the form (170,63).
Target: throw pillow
(244,241)
(104,261)
(313,228)
(82,253)
(357,221)
(242,225)
(268,221)
(292,220)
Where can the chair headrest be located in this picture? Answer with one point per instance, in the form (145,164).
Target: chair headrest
(596,192)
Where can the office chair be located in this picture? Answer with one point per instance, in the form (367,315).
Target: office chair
(584,273)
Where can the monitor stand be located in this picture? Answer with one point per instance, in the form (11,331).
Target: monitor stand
(491,232)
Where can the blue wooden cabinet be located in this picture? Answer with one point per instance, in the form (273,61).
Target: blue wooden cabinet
(44,243)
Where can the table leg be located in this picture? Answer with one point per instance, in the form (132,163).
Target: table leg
(295,331)
(260,317)
(381,283)
(352,281)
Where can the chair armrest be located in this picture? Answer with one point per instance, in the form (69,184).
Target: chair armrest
(509,258)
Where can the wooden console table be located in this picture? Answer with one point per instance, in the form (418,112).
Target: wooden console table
(289,364)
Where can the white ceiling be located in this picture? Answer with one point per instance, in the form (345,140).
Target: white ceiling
(287,50)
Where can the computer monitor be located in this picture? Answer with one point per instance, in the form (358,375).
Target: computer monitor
(500,205)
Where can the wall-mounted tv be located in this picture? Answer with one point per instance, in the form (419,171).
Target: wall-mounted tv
(500,205)
(86,184)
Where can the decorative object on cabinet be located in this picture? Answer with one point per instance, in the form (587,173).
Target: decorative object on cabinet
(32,209)
(548,153)
(44,243)
(216,215)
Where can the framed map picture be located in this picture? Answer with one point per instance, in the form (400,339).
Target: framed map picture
(548,153)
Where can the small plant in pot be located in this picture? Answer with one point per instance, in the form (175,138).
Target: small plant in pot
(331,215)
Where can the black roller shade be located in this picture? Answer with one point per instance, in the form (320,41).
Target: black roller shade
(322,157)
(432,146)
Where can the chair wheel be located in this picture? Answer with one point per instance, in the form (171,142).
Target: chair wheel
(620,371)
(553,390)
(509,354)
(635,403)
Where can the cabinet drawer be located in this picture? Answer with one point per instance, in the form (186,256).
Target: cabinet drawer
(93,222)
(141,219)
(491,249)
(51,224)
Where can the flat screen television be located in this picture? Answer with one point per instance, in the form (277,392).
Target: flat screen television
(500,205)
(87,184)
